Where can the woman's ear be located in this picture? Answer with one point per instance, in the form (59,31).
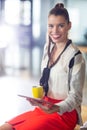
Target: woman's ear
(69,26)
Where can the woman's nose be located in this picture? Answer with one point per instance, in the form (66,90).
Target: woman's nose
(55,29)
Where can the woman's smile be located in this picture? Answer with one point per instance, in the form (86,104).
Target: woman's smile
(55,36)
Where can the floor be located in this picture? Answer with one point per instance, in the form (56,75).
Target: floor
(10,86)
(20,82)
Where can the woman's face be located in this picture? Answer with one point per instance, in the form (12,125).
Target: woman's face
(58,28)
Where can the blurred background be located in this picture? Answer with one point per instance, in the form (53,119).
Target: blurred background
(23,26)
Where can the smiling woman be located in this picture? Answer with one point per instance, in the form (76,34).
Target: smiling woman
(58,28)
(62,78)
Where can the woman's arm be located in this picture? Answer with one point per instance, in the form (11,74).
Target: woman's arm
(74,98)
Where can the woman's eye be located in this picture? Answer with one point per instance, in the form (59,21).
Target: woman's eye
(50,26)
(61,25)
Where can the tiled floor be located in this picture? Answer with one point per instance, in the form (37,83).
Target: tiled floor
(19,83)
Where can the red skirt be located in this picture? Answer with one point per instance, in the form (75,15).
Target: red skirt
(39,120)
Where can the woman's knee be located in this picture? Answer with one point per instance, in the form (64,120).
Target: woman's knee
(6,126)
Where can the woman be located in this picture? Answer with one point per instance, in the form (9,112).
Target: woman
(63,74)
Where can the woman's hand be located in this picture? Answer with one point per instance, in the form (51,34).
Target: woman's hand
(51,109)
(46,107)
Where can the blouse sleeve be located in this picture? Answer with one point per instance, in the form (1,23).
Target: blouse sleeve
(74,97)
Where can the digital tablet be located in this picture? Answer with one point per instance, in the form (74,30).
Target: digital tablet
(38,100)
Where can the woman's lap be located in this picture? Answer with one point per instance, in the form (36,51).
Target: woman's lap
(39,120)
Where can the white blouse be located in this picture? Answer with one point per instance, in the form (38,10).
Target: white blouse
(58,80)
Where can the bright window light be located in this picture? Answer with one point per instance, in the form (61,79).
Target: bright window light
(36,30)
(36,18)
(35,60)
(6,35)
(12,11)
(36,10)
(27,12)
